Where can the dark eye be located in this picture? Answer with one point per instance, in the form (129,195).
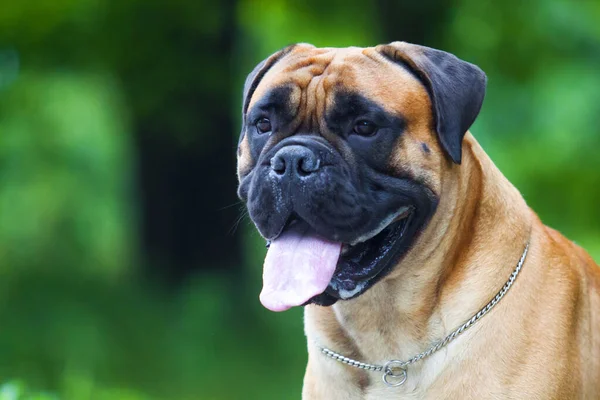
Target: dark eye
(365,128)
(263,125)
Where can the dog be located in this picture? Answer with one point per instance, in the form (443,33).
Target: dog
(423,272)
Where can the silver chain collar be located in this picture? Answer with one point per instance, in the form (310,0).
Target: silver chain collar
(394,371)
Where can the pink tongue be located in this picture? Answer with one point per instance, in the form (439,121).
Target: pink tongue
(298,266)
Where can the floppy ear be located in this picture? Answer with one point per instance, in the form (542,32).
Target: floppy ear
(254,78)
(456,89)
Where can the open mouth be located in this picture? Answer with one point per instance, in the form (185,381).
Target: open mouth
(302,267)
(359,264)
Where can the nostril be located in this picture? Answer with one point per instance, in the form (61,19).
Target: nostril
(308,165)
(294,161)
(278,165)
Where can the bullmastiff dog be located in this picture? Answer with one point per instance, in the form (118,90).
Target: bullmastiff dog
(423,272)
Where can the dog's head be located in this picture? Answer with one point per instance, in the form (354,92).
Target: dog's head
(340,158)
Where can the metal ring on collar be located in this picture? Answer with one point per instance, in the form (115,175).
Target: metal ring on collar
(394,373)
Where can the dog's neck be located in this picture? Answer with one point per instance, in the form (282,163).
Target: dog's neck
(451,271)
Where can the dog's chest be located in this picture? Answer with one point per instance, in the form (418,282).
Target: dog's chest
(431,385)
(418,385)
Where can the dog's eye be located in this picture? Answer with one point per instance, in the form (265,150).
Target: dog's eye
(263,125)
(365,128)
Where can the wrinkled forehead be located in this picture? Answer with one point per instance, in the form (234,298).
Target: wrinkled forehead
(315,76)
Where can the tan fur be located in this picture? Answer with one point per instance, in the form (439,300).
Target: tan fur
(244,157)
(542,341)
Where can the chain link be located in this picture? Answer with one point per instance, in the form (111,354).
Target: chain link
(389,369)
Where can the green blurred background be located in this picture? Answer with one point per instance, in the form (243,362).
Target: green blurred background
(125,272)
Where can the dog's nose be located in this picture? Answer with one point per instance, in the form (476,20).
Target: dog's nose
(295,161)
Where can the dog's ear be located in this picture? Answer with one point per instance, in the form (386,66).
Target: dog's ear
(456,89)
(254,78)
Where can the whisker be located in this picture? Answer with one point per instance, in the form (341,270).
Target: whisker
(231,205)
(236,224)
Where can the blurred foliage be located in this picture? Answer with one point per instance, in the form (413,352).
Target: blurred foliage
(17,391)
(64,157)
(81,81)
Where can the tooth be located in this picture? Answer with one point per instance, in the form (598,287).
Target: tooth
(403,210)
(386,222)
